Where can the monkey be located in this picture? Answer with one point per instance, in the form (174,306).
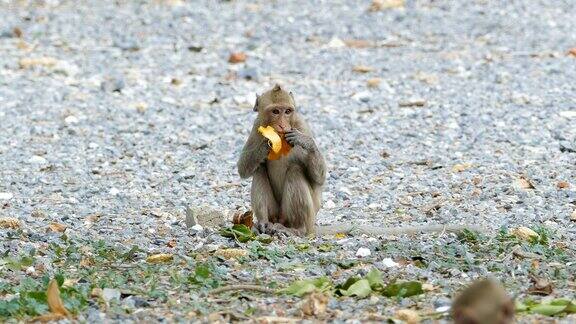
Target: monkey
(286,191)
(285,194)
(483,302)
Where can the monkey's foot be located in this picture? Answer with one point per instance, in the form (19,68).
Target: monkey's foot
(275,229)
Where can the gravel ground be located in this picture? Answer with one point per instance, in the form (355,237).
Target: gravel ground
(118,115)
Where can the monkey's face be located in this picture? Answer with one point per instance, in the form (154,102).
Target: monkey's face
(279,117)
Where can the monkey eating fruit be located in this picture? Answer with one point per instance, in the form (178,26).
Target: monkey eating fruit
(286,185)
(287,178)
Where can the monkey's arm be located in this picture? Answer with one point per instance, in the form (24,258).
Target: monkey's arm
(377,231)
(253,154)
(313,160)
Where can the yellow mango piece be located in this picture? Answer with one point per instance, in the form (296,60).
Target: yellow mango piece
(272,136)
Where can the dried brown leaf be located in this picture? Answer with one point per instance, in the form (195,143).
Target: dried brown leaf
(9,222)
(160,258)
(171,243)
(231,253)
(27,63)
(409,316)
(237,57)
(524,233)
(245,218)
(378,5)
(54,301)
(540,286)
(57,227)
(524,183)
(362,69)
(563,185)
(572,52)
(373,82)
(358,43)
(461,167)
(315,305)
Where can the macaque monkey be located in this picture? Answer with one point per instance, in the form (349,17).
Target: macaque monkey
(286,193)
(483,302)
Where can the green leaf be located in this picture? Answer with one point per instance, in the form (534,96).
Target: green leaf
(403,289)
(325,247)
(547,309)
(570,305)
(360,288)
(342,288)
(303,247)
(374,277)
(347,264)
(520,306)
(303,287)
(264,238)
(239,232)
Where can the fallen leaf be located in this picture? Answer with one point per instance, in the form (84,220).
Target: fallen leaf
(378,5)
(362,69)
(245,218)
(160,258)
(340,236)
(540,286)
(303,287)
(9,222)
(360,289)
(563,185)
(237,57)
(374,82)
(87,262)
(57,227)
(231,253)
(524,183)
(461,167)
(409,316)
(573,216)
(96,292)
(17,32)
(171,243)
(27,63)
(358,43)
(54,301)
(524,233)
(403,289)
(315,304)
(572,51)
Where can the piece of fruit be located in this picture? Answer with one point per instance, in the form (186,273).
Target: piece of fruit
(272,136)
(279,145)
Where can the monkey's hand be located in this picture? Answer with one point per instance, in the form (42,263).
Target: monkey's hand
(295,137)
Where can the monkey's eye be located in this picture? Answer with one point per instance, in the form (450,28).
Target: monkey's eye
(288,111)
(275,111)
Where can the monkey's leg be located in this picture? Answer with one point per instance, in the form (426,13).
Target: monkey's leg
(298,210)
(264,205)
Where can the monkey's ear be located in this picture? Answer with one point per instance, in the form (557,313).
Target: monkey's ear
(256,103)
